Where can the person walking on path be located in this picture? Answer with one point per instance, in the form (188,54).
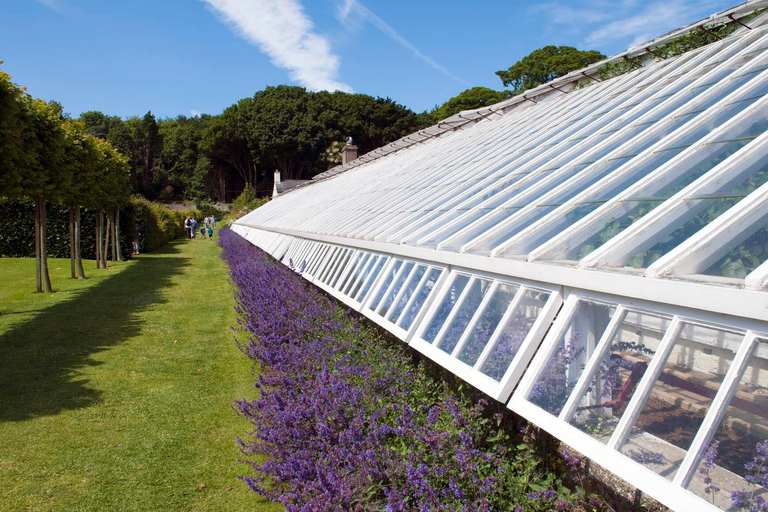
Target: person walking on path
(188,226)
(139,234)
(194,228)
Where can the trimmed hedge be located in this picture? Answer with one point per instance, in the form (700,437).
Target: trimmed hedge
(160,226)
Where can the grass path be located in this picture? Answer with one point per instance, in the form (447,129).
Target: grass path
(115,391)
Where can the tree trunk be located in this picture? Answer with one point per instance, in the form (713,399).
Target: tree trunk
(38,266)
(99,221)
(78,252)
(105,253)
(117,235)
(72,242)
(44,248)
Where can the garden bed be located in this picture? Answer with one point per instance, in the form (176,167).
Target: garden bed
(349,421)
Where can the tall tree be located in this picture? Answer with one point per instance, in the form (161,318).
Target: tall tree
(545,64)
(224,142)
(373,122)
(99,124)
(289,129)
(47,179)
(82,157)
(15,157)
(476,97)
(150,144)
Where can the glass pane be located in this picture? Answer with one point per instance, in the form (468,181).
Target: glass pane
(487,323)
(630,211)
(333,258)
(356,272)
(376,269)
(514,333)
(744,258)
(680,397)
(449,301)
(464,315)
(736,460)
(385,285)
(395,289)
(621,368)
(354,286)
(406,296)
(703,207)
(318,259)
(340,268)
(559,375)
(421,297)
(344,277)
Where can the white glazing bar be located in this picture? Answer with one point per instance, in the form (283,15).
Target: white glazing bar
(359,275)
(660,117)
(475,317)
(321,260)
(644,387)
(758,278)
(675,211)
(729,137)
(505,319)
(345,268)
(378,281)
(416,291)
(558,126)
(354,270)
(369,280)
(448,180)
(538,330)
(717,410)
(548,346)
(314,257)
(528,240)
(454,311)
(593,365)
(401,291)
(714,241)
(333,259)
(588,129)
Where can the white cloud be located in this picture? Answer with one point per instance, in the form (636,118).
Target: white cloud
(51,4)
(195,113)
(628,22)
(347,7)
(282,30)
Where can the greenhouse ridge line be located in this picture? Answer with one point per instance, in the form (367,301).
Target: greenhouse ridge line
(570,80)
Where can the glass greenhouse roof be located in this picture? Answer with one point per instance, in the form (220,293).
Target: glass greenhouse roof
(596,257)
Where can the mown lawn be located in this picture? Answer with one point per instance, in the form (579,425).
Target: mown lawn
(115,391)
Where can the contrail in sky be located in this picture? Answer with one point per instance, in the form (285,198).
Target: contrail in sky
(353,5)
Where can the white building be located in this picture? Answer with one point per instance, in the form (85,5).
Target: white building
(593,253)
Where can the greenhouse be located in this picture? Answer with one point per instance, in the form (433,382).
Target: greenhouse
(592,253)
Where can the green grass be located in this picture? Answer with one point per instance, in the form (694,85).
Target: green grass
(115,392)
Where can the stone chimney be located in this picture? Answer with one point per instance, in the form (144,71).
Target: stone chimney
(277,180)
(349,152)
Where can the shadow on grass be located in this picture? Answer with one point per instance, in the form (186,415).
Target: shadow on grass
(40,359)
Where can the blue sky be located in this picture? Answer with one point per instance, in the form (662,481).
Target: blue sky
(200,56)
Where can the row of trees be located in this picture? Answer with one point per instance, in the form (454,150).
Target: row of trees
(47,158)
(215,157)
(290,129)
(287,128)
